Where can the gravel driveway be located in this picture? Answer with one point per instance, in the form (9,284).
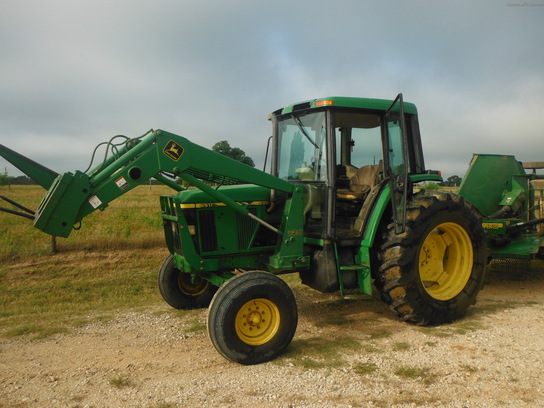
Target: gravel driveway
(345,354)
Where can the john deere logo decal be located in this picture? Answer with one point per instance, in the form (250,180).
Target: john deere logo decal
(173,150)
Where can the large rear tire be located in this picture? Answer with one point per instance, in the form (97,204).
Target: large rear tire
(432,273)
(183,290)
(252,318)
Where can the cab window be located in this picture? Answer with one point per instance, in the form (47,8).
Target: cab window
(358,139)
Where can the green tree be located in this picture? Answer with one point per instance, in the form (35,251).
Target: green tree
(4,178)
(223,147)
(20,180)
(452,181)
(432,186)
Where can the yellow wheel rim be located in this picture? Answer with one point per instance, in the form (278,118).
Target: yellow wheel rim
(192,287)
(257,322)
(445,261)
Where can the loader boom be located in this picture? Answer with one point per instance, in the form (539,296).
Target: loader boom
(40,174)
(73,196)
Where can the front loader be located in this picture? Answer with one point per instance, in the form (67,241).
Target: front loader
(342,207)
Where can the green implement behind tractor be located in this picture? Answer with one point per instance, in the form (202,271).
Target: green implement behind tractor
(511,202)
(342,207)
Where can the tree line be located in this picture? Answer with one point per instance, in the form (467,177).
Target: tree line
(6,180)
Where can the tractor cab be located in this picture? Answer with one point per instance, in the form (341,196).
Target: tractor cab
(345,151)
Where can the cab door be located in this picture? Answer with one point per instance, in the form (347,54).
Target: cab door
(395,161)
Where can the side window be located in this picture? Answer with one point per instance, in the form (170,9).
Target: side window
(358,139)
(396,157)
(367,146)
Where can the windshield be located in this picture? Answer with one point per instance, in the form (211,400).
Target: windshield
(302,151)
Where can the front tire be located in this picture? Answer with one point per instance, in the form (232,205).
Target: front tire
(252,318)
(432,273)
(183,290)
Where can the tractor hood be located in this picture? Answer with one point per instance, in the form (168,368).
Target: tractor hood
(241,193)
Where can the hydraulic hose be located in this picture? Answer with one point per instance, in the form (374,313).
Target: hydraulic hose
(522,225)
(502,213)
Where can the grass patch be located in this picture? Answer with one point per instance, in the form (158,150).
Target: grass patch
(401,346)
(365,368)
(467,326)
(334,321)
(468,368)
(371,348)
(440,332)
(196,325)
(319,352)
(494,306)
(120,381)
(416,373)
(460,327)
(36,332)
(410,372)
(380,334)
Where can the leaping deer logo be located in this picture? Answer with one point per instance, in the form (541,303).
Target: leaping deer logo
(173,150)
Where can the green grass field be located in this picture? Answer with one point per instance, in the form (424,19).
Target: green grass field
(110,264)
(131,221)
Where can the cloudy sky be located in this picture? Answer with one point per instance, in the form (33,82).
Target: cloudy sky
(76,73)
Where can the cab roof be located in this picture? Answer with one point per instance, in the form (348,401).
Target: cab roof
(345,102)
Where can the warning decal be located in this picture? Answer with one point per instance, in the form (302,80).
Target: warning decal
(121,183)
(95,201)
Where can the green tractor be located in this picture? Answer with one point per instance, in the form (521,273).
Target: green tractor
(344,207)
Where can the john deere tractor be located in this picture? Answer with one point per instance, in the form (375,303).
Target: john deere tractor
(344,207)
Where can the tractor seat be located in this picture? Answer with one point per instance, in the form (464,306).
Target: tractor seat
(360,183)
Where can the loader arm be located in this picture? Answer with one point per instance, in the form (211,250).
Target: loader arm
(73,196)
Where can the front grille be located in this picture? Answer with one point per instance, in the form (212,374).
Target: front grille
(207,231)
(246,228)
